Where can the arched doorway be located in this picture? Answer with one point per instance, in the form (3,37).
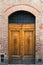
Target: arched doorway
(21,37)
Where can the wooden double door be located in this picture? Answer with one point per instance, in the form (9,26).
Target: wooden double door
(21,41)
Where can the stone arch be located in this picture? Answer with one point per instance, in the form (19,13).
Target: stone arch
(25,7)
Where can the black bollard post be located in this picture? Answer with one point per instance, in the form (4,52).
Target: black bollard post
(2,58)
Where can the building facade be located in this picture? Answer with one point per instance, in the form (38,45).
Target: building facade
(7,7)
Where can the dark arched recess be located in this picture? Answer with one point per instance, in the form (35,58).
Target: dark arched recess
(21,17)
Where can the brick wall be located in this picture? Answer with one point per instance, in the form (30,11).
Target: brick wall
(41,32)
(7,7)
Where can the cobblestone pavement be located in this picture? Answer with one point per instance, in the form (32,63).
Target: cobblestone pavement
(19,64)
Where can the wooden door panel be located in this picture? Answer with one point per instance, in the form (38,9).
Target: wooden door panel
(21,40)
(28,42)
(28,26)
(14,42)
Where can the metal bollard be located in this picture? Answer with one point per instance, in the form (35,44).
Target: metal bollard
(2,57)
